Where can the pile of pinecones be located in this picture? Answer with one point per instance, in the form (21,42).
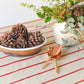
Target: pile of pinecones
(79,11)
(19,37)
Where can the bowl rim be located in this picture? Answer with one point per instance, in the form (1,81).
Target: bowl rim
(21,49)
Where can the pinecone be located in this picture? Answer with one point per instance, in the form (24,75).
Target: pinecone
(21,43)
(35,38)
(18,30)
(18,37)
(30,44)
(7,40)
(78,12)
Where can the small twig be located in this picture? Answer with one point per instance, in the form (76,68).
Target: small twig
(46,62)
(54,11)
(47,11)
(64,1)
(56,67)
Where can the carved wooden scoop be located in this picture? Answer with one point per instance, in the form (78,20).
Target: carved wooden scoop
(53,52)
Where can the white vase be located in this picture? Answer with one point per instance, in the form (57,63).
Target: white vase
(57,27)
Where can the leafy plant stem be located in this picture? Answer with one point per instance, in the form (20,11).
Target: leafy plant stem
(54,11)
(47,11)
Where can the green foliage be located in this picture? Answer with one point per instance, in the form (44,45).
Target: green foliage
(55,11)
(43,8)
(79,41)
(64,32)
(47,19)
(23,4)
(41,15)
(34,8)
(71,26)
(70,20)
(80,18)
(81,26)
(74,31)
(81,22)
(64,41)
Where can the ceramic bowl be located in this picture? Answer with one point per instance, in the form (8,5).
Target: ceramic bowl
(23,51)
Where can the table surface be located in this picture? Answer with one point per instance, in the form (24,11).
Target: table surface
(27,70)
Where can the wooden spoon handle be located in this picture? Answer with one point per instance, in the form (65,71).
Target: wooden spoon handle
(45,64)
(56,67)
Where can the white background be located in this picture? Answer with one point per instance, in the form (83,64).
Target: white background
(11,12)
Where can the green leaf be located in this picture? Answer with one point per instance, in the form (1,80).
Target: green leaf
(57,0)
(43,8)
(74,38)
(82,28)
(50,9)
(31,6)
(68,4)
(70,20)
(41,15)
(50,3)
(34,8)
(74,31)
(48,0)
(64,41)
(28,6)
(71,25)
(80,18)
(79,41)
(47,19)
(23,4)
(66,25)
(64,32)
(79,24)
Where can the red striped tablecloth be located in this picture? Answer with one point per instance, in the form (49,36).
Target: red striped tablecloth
(27,70)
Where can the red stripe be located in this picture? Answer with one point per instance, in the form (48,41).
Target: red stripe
(82,41)
(63,76)
(36,56)
(49,37)
(46,71)
(6,27)
(32,30)
(73,52)
(22,69)
(47,32)
(23,59)
(79,81)
(32,21)
(40,28)
(49,43)
(22,23)
(4,57)
(39,64)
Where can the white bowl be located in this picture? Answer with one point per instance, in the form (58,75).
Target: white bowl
(23,51)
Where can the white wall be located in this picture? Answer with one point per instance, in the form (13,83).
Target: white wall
(11,12)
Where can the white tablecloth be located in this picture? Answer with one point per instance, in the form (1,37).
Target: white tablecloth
(27,70)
